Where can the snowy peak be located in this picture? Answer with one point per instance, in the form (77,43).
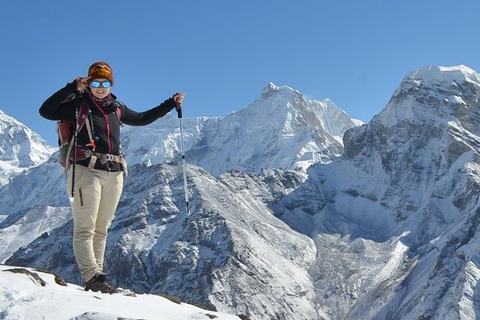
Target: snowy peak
(280,129)
(427,134)
(324,114)
(440,74)
(275,103)
(20,148)
(271,88)
(434,96)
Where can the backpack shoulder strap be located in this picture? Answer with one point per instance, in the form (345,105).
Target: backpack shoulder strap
(118,110)
(83,119)
(83,115)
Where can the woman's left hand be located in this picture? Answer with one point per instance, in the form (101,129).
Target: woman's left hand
(178,98)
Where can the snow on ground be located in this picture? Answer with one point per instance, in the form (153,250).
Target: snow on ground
(22,296)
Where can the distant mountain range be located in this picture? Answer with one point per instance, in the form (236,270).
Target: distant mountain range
(289,220)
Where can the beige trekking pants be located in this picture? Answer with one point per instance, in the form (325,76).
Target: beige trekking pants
(97,193)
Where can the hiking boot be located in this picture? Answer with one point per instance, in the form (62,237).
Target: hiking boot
(99,284)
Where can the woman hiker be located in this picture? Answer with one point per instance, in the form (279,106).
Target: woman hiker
(99,164)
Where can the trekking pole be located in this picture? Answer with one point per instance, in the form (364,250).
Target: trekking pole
(184,163)
(75,135)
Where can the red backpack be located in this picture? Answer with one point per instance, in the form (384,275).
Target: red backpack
(66,135)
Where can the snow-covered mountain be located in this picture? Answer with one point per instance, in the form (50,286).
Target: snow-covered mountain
(383,227)
(20,148)
(231,254)
(280,129)
(395,220)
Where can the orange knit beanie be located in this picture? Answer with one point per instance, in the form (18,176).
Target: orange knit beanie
(100,70)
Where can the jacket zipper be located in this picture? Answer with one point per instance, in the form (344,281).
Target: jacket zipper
(107,121)
(108,133)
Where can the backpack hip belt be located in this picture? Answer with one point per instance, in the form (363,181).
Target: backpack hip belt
(104,158)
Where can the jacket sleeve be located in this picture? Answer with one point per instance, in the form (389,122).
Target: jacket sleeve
(60,105)
(134,118)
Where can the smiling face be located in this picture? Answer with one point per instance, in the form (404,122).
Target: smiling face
(100,92)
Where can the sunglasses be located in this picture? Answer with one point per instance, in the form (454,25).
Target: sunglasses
(98,84)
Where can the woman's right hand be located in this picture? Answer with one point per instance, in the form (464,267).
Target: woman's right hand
(82,83)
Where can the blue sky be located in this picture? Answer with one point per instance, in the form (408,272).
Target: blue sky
(223,53)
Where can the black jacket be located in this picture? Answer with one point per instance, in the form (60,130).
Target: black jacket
(106,125)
